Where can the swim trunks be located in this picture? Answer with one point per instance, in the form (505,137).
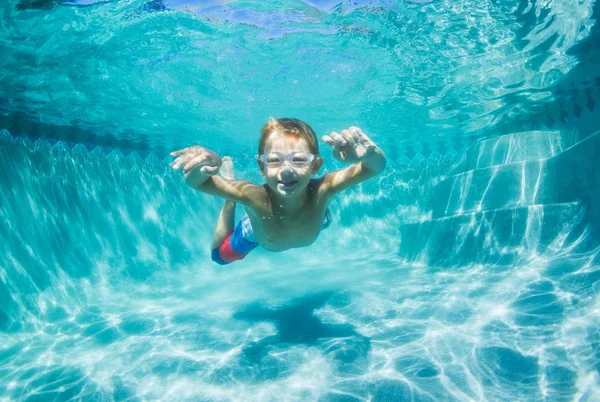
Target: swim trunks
(241,241)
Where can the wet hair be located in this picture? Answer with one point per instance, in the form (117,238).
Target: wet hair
(293,127)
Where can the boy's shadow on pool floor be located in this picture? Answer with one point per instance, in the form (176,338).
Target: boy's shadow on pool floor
(297,325)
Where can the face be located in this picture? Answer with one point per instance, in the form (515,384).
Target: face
(287,180)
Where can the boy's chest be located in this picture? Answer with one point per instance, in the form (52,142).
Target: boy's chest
(276,232)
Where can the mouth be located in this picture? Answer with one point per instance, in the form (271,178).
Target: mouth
(287,184)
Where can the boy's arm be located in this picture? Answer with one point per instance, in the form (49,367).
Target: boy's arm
(244,192)
(352,146)
(200,166)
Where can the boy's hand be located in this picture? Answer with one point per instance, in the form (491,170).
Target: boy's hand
(195,160)
(351,146)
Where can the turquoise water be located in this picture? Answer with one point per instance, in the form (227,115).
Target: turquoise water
(468,270)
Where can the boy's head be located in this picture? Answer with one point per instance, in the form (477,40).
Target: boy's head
(288,138)
(294,128)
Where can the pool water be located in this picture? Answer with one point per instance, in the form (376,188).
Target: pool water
(468,270)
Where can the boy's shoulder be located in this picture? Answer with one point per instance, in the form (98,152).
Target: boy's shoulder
(319,186)
(258,196)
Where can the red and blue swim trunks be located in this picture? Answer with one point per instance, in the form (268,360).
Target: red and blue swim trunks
(241,241)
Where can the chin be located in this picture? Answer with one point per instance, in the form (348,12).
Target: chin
(287,195)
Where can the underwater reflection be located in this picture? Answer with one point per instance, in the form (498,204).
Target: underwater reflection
(297,324)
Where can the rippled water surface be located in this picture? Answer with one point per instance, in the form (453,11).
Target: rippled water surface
(468,270)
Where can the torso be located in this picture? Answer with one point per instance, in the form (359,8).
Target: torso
(277,231)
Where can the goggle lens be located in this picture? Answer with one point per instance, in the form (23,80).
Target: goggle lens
(297,159)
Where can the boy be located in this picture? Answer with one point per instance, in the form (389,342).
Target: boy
(291,208)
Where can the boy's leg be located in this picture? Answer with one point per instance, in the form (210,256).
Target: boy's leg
(226,220)
(225,224)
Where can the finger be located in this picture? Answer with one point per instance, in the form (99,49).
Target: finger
(179,159)
(328,140)
(366,141)
(182,160)
(348,137)
(337,154)
(180,152)
(211,170)
(356,134)
(175,162)
(195,162)
(339,140)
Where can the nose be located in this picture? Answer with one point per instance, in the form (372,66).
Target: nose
(286,169)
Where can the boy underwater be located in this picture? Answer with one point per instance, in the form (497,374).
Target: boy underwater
(291,209)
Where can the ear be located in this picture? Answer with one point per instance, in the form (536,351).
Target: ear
(261,167)
(316,165)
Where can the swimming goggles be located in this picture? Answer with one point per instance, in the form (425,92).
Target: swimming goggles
(296,159)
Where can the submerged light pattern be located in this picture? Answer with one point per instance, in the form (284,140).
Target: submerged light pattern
(468,270)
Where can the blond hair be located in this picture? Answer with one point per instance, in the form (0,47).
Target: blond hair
(293,127)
